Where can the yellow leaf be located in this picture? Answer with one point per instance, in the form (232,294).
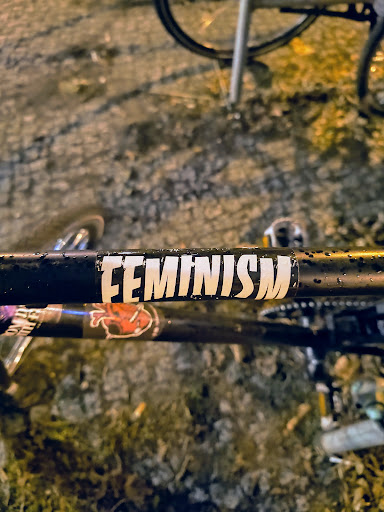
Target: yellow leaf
(301,48)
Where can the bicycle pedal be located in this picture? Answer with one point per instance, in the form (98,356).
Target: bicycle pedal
(285,232)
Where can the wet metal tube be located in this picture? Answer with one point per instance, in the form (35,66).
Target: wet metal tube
(188,274)
(335,272)
(143,322)
(136,276)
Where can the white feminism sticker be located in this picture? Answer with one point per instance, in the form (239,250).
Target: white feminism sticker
(144,277)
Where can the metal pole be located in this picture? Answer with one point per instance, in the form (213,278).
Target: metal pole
(240,51)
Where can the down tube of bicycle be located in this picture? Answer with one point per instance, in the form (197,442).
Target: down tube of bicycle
(144,322)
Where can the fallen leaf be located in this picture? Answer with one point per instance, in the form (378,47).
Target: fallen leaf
(301,48)
(302,411)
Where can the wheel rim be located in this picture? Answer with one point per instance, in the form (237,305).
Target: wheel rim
(211,25)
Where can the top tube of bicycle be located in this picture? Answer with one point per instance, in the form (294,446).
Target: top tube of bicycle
(188,274)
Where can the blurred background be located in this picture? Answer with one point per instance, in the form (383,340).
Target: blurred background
(100,106)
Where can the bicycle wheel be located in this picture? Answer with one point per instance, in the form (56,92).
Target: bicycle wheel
(208,27)
(370,75)
(75,229)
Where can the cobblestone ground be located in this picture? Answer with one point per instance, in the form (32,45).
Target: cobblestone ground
(99,105)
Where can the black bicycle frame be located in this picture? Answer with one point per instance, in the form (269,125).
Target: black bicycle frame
(143,322)
(188,274)
(102,281)
(366,12)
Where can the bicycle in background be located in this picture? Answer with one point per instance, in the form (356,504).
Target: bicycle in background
(208,28)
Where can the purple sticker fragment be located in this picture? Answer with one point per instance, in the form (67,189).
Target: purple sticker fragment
(7,313)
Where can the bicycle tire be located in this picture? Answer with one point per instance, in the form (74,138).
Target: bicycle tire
(185,37)
(44,237)
(370,72)
(90,218)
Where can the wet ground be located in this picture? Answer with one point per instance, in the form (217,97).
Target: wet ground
(99,105)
